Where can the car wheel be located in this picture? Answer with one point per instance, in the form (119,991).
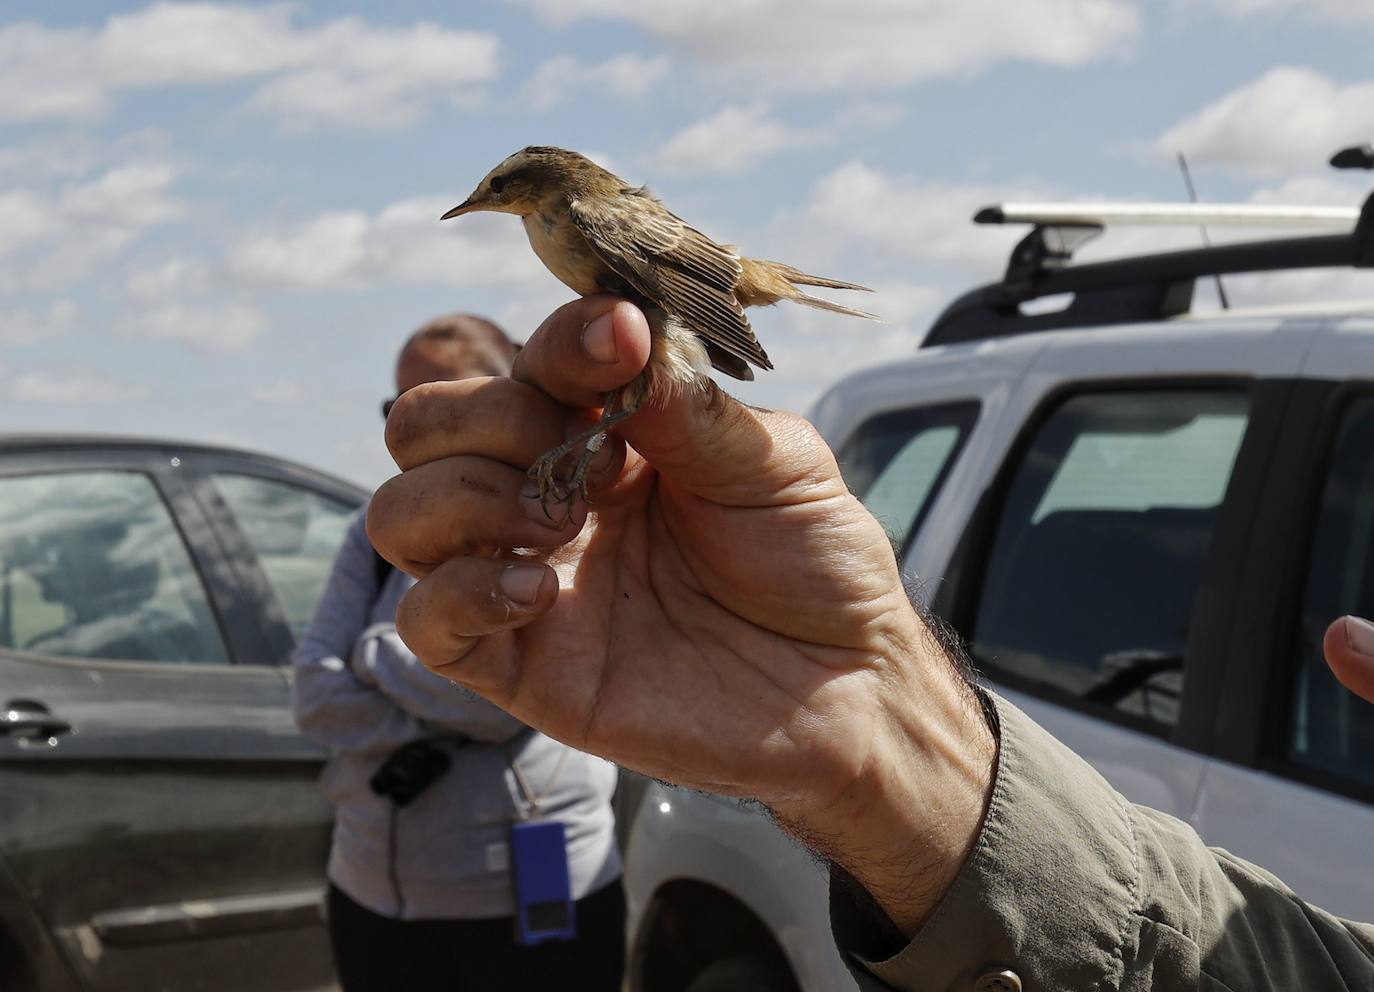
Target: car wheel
(744,973)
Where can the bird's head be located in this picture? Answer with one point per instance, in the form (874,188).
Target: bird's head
(524,180)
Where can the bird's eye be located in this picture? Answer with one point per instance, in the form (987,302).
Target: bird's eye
(497,184)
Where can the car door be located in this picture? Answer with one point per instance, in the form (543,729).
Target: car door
(154,797)
(1095,577)
(279,525)
(1294,789)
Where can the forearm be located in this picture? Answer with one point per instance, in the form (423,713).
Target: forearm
(333,705)
(334,709)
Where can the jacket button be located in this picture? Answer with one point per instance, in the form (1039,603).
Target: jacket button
(1005,980)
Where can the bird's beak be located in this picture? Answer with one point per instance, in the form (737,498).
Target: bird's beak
(467,206)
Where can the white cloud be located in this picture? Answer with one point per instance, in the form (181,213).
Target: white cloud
(68,154)
(1319,189)
(1336,10)
(403,244)
(868,115)
(71,387)
(122,200)
(523,312)
(626,77)
(871,219)
(281,392)
(731,141)
(319,254)
(347,71)
(24,217)
(903,304)
(129,196)
(51,237)
(63,264)
(1288,119)
(603,159)
(827,44)
(173,278)
(218,327)
(364,77)
(26,325)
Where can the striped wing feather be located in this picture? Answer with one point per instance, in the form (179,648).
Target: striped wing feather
(674,266)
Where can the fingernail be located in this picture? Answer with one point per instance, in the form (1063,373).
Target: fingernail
(538,508)
(598,337)
(551,510)
(520,583)
(1360,634)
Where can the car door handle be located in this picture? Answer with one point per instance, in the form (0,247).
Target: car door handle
(25,718)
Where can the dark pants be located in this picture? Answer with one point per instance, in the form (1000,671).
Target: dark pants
(374,953)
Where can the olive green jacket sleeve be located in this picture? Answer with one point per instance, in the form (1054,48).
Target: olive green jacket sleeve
(1070,886)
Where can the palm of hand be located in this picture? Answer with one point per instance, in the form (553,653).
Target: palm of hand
(695,641)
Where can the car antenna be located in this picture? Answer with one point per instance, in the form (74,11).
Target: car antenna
(1206,241)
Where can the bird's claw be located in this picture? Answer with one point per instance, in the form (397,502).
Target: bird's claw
(564,491)
(541,473)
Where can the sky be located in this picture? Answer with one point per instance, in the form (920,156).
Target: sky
(218,221)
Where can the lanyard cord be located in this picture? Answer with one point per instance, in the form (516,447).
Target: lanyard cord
(531,796)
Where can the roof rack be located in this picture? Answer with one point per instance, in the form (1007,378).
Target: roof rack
(1169,215)
(1146,287)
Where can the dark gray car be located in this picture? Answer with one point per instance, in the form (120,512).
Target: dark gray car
(160,824)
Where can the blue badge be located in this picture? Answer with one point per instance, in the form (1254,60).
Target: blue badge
(544,907)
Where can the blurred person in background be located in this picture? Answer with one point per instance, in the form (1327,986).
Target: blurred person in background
(429,780)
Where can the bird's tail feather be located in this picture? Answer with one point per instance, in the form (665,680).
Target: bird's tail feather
(799,278)
(820,304)
(763,283)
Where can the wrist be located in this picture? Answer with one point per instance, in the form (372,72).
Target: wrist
(904,825)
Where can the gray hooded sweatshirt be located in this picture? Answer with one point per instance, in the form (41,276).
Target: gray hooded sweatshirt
(360,692)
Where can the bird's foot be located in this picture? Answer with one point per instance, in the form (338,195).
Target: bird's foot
(577,482)
(564,491)
(543,474)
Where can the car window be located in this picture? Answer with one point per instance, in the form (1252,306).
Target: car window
(92,566)
(295,532)
(896,461)
(1329,728)
(1089,585)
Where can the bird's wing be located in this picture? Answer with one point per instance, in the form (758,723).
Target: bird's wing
(673,265)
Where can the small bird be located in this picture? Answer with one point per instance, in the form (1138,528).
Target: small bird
(599,234)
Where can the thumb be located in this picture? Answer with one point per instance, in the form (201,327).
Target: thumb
(707,442)
(1349,650)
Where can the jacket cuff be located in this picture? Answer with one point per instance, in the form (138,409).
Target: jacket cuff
(1047,893)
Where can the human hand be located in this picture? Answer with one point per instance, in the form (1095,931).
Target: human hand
(727,617)
(1349,649)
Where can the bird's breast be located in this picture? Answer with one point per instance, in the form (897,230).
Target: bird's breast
(565,252)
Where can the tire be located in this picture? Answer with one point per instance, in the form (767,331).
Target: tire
(744,973)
